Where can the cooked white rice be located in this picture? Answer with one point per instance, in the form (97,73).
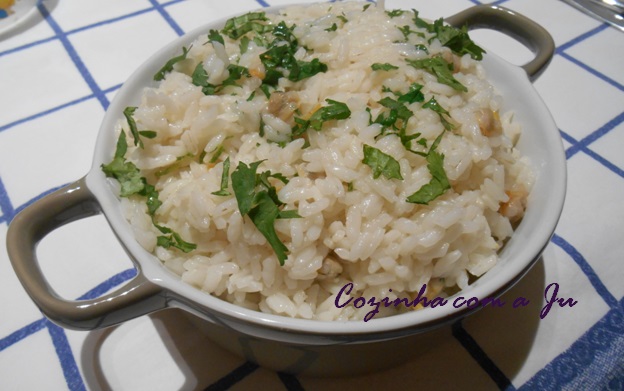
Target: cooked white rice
(353,228)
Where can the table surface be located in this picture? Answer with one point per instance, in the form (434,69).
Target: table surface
(60,68)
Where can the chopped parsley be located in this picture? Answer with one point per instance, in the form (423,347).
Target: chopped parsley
(439,181)
(280,56)
(224,179)
(129,177)
(168,67)
(173,239)
(200,78)
(383,67)
(381,163)
(333,111)
(457,40)
(257,198)
(394,13)
(413,95)
(136,135)
(453,38)
(214,36)
(441,69)
(333,27)
(442,113)
(126,173)
(253,21)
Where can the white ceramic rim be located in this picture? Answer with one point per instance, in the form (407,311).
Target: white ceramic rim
(522,250)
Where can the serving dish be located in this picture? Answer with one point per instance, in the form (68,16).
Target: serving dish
(297,345)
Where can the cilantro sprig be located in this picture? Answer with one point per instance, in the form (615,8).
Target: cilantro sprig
(257,198)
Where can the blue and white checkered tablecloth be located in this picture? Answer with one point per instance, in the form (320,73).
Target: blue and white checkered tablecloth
(60,69)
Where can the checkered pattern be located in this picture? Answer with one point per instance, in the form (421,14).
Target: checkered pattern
(57,79)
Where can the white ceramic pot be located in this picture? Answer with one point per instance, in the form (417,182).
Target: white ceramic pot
(281,343)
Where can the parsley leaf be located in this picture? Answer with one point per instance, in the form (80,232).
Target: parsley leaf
(238,26)
(147,133)
(439,181)
(406,31)
(281,56)
(381,163)
(335,110)
(257,198)
(168,67)
(263,216)
(413,95)
(224,179)
(398,111)
(128,113)
(383,67)
(394,13)
(200,79)
(214,36)
(441,69)
(173,239)
(435,106)
(333,27)
(244,45)
(244,185)
(457,40)
(129,177)
(126,173)
(236,73)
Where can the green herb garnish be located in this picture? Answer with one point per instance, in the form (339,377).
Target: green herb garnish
(168,67)
(442,113)
(241,25)
(224,179)
(381,163)
(126,173)
(383,67)
(173,239)
(439,181)
(128,113)
(257,198)
(413,95)
(333,111)
(281,57)
(441,69)
(214,36)
(395,13)
(457,40)
(200,78)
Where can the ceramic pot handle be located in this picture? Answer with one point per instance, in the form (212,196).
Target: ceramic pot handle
(517,26)
(75,201)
